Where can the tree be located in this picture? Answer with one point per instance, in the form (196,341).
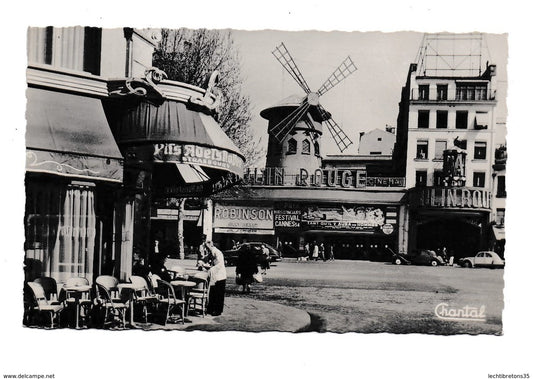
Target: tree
(190,56)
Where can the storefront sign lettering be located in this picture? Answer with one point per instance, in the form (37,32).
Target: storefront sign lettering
(331,178)
(285,218)
(233,216)
(442,197)
(201,155)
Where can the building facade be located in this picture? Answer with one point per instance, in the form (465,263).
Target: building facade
(110,146)
(446,129)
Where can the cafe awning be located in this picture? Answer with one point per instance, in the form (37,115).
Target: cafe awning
(192,173)
(68,135)
(177,132)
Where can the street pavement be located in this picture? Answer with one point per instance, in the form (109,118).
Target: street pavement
(360,296)
(241,314)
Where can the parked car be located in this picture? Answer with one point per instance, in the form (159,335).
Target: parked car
(483,259)
(418,257)
(230,256)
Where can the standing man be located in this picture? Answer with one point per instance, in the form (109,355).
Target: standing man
(265,259)
(217,274)
(331,253)
(322,252)
(315,251)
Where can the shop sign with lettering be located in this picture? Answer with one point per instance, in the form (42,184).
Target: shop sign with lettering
(200,155)
(450,197)
(287,218)
(331,178)
(243,217)
(343,218)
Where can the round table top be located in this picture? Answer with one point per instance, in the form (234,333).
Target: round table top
(127,285)
(80,288)
(183,283)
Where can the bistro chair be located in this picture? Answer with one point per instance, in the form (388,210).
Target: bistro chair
(106,286)
(84,299)
(50,288)
(111,284)
(168,297)
(199,295)
(42,305)
(143,295)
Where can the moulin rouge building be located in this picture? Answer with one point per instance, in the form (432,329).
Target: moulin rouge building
(441,186)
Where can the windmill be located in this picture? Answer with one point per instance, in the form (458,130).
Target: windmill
(310,103)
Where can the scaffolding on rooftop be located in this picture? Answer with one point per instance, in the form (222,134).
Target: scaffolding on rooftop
(452,55)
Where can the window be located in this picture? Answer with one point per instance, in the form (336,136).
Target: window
(440,146)
(471,91)
(291,146)
(306,147)
(438,178)
(375,153)
(422,150)
(423,92)
(379,138)
(423,119)
(442,119)
(479,179)
(77,48)
(480,150)
(500,191)
(442,92)
(317,149)
(421,178)
(461,120)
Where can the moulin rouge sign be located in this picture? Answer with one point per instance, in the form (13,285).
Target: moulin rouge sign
(446,197)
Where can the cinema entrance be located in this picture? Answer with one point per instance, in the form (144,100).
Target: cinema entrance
(449,218)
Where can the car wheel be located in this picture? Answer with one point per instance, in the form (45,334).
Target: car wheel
(434,263)
(467,264)
(398,261)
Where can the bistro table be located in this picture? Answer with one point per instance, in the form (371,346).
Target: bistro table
(130,287)
(184,286)
(77,292)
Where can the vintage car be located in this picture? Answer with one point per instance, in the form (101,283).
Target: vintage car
(483,259)
(418,257)
(231,256)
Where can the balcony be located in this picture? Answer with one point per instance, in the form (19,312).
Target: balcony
(461,94)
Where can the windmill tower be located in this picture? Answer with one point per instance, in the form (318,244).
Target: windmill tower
(295,125)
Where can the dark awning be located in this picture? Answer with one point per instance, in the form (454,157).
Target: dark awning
(68,135)
(176,132)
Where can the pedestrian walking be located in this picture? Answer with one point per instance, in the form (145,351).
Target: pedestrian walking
(217,275)
(305,253)
(265,259)
(315,251)
(322,252)
(331,253)
(246,268)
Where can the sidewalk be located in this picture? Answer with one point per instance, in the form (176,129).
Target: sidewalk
(246,315)
(242,314)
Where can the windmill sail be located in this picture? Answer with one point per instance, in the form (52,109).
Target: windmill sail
(311,101)
(345,69)
(284,57)
(285,126)
(340,138)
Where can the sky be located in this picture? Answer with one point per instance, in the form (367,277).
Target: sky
(366,100)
